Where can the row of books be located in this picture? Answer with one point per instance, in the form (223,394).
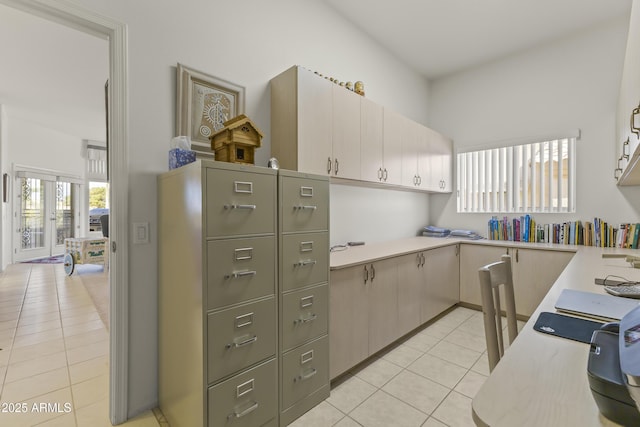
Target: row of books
(588,233)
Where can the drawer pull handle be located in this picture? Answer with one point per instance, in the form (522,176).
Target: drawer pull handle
(306,376)
(250,409)
(306,246)
(237,274)
(243,187)
(305,263)
(303,207)
(242,254)
(236,344)
(306,191)
(303,320)
(235,206)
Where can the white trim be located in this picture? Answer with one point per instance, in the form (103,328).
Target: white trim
(575,133)
(74,16)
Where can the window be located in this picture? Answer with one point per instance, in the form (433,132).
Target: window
(531,177)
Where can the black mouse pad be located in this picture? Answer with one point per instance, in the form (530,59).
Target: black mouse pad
(572,328)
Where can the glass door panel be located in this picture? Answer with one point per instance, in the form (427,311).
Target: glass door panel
(47,215)
(64,215)
(32,219)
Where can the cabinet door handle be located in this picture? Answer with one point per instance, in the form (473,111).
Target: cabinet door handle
(236,344)
(303,320)
(517,253)
(373,273)
(423,260)
(305,207)
(335,171)
(234,206)
(380,174)
(306,376)
(418,259)
(328,165)
(385,174)
(238,274)
(250,409)
(366,274)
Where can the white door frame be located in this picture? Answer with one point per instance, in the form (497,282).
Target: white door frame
(74,16)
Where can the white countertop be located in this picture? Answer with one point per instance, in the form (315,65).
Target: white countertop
(542,379)
(355,255)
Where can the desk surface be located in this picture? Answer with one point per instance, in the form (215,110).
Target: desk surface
(542,379)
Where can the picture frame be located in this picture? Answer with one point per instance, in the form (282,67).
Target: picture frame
(204,103)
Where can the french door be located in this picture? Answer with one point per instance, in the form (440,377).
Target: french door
(46,214)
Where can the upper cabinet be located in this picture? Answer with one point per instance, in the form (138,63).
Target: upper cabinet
(323,128)
(627,168)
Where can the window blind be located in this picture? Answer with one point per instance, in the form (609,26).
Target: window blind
(531,177)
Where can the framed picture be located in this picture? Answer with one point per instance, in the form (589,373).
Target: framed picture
(204,103)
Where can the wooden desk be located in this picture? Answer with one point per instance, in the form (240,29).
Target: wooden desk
(542,379)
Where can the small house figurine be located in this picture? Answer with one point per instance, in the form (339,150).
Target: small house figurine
(236,141)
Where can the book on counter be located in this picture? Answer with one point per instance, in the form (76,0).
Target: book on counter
(587,233)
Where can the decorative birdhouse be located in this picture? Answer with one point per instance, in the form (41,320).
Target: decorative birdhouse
(236,141)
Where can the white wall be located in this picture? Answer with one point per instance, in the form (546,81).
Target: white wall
(33,145)
(248,43)
(570,84)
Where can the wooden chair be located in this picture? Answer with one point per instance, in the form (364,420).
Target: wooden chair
(492,276)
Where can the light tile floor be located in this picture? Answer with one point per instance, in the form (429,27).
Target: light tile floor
(54,350)
(54,363)
(427,379)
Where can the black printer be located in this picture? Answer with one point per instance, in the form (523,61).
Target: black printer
(614,369)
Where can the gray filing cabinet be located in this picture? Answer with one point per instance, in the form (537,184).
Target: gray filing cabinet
(303,274)
(218,307)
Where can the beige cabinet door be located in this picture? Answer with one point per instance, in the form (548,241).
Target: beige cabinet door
(314,123)
(442,288)
(348,318)
(346,133)
(392,146)
(411,286)
(472,258)
(383,304)
(534,272)
(371,141)
(440,162)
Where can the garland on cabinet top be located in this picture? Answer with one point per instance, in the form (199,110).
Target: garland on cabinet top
(597,233)
(357,87)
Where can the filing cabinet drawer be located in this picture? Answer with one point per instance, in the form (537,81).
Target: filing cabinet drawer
(305,259)
(305,204)
(248,399)
(239,270)
(240,336)
(304,370)
(304,315)
(239,203)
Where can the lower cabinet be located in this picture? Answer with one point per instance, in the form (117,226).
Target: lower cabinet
(534,272)
(374,304)
(442,290)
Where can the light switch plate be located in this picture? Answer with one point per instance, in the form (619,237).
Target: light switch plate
(140,233)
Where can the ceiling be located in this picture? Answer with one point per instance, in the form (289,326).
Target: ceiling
(53,75)
(439,37)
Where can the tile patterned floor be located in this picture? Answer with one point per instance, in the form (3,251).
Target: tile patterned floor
(54,350)
(54,363)
(427,379)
